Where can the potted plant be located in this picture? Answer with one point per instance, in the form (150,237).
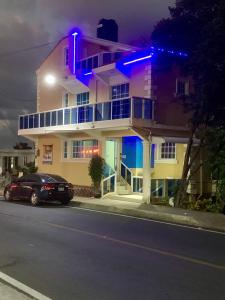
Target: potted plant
(95,169)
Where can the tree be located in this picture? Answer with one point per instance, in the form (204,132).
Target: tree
(96,168)
(198,28)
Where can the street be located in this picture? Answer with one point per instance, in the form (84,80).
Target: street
(71,253)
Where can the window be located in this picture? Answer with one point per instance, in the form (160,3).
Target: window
(120,91)
(66,100)
(182,87)
(168,151)
(84,148)
(83,98)
(158,188)
(65,150)
(66,56)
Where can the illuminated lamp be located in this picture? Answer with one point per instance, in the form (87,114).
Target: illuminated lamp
(50,79)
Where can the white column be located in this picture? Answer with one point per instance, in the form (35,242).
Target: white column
(103,146)
(1,165)
(146,171)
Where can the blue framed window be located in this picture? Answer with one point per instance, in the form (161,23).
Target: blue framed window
(121,109)
(85,114)
(120,91)
(83,98)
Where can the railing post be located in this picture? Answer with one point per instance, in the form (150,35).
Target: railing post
(131,110)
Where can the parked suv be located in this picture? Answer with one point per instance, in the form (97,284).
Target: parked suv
(39,187)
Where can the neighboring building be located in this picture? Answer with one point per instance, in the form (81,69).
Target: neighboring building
(104,97)
(11,159)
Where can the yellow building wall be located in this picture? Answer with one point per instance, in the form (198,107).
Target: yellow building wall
(166,170)
(75,172)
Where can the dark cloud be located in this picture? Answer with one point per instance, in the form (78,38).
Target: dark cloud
(26,23)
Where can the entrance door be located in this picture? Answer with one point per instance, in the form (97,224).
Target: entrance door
(110,154)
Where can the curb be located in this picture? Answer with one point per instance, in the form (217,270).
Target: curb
(152,215)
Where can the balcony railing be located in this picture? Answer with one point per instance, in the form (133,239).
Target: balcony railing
(135,108)
(97,60)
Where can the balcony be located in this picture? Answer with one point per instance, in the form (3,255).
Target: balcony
(120,114)
(98,60)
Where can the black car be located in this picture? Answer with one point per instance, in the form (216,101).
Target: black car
(39,187)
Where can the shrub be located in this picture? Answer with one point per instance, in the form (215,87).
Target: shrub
(96,168)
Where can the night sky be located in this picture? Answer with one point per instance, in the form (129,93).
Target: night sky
(29,23)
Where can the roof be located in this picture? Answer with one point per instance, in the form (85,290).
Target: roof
(116,45)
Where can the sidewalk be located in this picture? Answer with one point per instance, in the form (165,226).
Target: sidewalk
(9,293)
(206,220)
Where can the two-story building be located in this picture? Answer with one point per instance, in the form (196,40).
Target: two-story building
(96,96)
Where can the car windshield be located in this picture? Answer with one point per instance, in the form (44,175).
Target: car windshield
(52,178)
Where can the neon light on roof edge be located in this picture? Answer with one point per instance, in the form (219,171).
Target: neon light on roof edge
(137,59)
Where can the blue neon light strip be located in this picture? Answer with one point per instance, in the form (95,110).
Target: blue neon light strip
(89,73)
(137,59)
(178,53)
(74,51)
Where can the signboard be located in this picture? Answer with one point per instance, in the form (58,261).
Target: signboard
(47,154)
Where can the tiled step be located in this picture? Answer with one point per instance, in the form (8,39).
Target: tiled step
(126,198)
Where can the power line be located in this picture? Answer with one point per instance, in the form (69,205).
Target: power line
(9,53)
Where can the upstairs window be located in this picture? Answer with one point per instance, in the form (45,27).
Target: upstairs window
(168,151)
(66,56)
(182,87)
(120,91)
(83,98)
(66,100)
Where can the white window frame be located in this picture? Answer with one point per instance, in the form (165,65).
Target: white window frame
(158,155)
(118,96)
(70,157)
(83,103)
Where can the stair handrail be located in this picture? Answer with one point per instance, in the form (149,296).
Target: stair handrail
(131,177)
(106,179)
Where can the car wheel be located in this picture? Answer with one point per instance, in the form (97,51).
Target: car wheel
(65,201)
(34,199)
(7,195)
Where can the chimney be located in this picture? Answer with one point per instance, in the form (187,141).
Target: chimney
(107,30)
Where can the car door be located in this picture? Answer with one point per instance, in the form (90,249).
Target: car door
(30,183)
(26,186)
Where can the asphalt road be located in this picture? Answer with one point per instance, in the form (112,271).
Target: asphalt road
(71,253)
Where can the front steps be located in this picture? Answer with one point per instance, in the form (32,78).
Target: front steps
(134,198)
